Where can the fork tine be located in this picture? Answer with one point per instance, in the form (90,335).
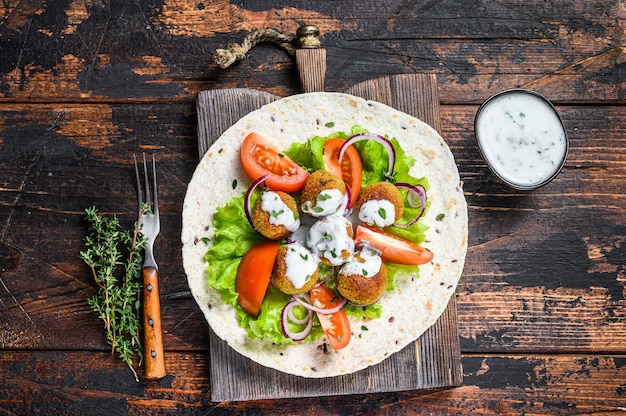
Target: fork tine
(139,196)
(154,188)
(145,174)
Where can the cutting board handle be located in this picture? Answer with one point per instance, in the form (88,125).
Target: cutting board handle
(310,59)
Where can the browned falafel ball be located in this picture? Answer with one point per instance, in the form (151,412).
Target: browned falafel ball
(295,269)
(324,193)
(331,238)
(275,215)
(363,280)
(380,204)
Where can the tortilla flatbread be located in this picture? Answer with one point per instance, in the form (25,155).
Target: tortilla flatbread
(410,309)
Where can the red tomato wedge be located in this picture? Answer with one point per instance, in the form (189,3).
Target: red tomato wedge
(253,275)
(259,157)
(351,168)
(393,249)
(335,325)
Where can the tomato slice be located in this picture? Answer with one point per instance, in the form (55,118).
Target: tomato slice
(394,249)
(350,169)
(253,275)
(335,325)
(259,157)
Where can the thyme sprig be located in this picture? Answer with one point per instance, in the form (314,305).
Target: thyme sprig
(114,256)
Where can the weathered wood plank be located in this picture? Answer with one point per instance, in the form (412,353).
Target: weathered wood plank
(84,383)
(59,159)
(62,51)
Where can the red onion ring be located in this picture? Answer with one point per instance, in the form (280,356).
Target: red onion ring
(286,315)
(327,278)
(306,303)
(391,152)
(348,196)
(416,196)
(247,205)
(296,320)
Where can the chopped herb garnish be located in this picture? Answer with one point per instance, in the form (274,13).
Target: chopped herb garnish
(330,124)
(364,328)
(221,150)
(317,209)
(328,237)
(364,272)
(440,217)
(234,184)
(323,197)
(275,214)
(382,213)
(304,257)
(281,155)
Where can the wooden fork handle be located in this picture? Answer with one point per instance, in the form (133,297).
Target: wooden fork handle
(153,355)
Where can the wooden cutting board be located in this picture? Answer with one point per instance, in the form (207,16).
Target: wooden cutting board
(433,361)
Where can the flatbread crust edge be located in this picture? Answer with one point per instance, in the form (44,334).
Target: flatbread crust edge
(408,311)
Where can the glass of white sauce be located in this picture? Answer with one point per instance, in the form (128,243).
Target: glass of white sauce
(521,137)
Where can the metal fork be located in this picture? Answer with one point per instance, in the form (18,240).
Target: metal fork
(149,223)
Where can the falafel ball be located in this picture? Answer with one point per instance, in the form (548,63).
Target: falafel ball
(331,238)
(295,269)
(275,215)
(323,193)
(380,204)
(363,279)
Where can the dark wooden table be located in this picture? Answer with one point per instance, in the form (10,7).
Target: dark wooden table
(85,84)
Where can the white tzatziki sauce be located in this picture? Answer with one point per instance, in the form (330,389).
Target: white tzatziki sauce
(365,262)
(522,138)
(377,212)
(327,202)
(329,237)
(279,212)
(301,264)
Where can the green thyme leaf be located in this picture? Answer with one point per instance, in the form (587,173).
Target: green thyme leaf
(114,258)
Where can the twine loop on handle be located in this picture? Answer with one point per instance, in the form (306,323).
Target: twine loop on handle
(306,38)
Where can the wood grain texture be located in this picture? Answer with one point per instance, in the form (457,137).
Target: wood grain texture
(153,350)
(85,84)
(91,383)
(141,51)
(311,66)
(59,159)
